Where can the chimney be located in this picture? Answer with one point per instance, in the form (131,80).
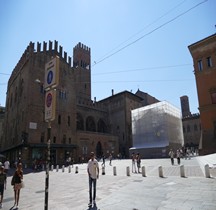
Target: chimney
(112,92)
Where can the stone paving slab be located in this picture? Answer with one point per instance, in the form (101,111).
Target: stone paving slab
(70,190)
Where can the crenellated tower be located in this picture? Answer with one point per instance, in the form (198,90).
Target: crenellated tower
(82,68)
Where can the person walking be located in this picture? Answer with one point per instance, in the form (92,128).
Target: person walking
(138,159)
(17,183)
(133,158)
(103,159)
(93,173)
(3,182)
(178,156)
(6,166)
(171,154)
(110,159)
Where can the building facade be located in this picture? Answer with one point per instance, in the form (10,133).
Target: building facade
(2,116)
(191,125)
(80,125)
(204,59)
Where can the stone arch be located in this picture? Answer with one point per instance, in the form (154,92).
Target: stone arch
(101,126)
(79,122)
(90,124)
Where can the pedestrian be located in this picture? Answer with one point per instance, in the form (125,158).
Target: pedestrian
(17,183)
(110,159)
(178,156)
(3,182)
(103,159)
(6,166)
(138,159)
(93,173)
(133,158)
(171,154)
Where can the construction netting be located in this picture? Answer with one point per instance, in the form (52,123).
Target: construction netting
(157,125)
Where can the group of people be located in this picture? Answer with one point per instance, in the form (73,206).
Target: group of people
(16,182)
(136,162)
(178,155)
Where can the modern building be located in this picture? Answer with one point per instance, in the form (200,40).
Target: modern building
(81,125)
(204,59)
(191,125)
(156,128)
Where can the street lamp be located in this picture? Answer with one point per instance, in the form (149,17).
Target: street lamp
(51,81)
(47,159)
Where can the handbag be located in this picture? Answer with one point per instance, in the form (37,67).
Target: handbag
(22,184)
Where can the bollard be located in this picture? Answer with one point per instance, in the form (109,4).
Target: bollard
(69,169)
(114,171)
(63,167)
(143,171)
(160,170)
(128,171)
(207,172)
(57,168)
(182,171)
(51,167)
(103,170)
(76,170)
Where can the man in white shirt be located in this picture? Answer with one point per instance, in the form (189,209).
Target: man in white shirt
(93,172)
(6,166)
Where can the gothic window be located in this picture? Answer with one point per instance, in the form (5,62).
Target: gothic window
(195,127)
(101,126)
(90,124)
(79,122)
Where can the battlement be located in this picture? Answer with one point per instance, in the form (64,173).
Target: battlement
(90,104)
(48,48)
(82,46)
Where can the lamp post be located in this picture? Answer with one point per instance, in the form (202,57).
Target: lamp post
(47,167)
(51,81)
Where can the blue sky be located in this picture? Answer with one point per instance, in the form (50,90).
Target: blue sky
(134,43)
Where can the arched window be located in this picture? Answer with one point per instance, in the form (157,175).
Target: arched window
(79,122)
(101,126)
(90,124)
(195,127)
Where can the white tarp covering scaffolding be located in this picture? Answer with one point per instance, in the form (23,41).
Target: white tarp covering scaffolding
(157,126)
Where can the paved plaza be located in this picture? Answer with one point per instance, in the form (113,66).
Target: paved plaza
(121,192)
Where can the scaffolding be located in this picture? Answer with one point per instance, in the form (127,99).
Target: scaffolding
(157,126)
